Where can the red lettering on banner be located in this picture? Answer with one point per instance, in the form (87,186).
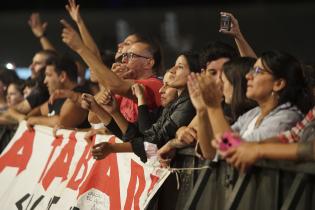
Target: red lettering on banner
(98,178)
(20,152)
(56,143)
(62,164)
(83,162)
(137,174)
(154,180)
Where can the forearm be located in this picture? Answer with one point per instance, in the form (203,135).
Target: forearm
(13,116)
(121,147)
(46,44)
(218,122)
(87,38)
(121,122)
(243,47)
(47,121)
(105,76)
(205,134)
(276,151)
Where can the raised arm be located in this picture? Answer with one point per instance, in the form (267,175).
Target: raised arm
(74,12)
(243,47)
(105,76)
(39,30)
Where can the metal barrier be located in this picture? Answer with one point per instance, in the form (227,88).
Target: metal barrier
(267,185)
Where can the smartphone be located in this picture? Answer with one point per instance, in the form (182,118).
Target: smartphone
(229,141)
(225,22)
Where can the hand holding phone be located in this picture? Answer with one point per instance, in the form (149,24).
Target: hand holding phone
(229,141)
(225,22)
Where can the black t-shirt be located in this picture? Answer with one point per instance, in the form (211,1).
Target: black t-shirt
(39,95)
(55,108)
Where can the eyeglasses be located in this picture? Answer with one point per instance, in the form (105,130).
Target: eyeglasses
(131,56)
(257,70)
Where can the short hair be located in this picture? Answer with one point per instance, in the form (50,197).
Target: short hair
(235,71)
(287,67)
(154,48)
(215,50)
(65,64)
(50,55)
(8,76)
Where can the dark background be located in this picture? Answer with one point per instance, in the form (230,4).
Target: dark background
(180,25)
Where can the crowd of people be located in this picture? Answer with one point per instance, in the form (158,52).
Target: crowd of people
(264,101)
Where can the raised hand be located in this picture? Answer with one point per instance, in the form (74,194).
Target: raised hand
(70,36)
(235,28)
(37,26)
(195,92)
(211,90)
(74,11)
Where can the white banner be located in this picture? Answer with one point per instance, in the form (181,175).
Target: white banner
(38,171)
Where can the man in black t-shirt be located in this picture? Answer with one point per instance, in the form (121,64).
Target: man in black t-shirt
(61,74)
(39,93)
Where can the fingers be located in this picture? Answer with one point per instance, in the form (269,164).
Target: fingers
(65,24)
(55,129)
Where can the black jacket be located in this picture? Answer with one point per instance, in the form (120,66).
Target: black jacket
(176,115)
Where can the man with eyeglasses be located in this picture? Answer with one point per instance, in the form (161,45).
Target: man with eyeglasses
(143,65)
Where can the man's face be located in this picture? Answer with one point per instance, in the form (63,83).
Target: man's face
(138,58)
(52,79)
(38,63)
(215,68)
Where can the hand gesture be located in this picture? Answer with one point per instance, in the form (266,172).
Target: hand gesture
(195,92)
(70,37)
(37,26)
(211,90)
(235,28)
(138,90)
(60,93)
(74,10)
(107,101)
(101,150)
(88,102)
(122,71)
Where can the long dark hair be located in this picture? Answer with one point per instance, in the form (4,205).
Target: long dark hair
(287,67)
(235,71)
(193,61)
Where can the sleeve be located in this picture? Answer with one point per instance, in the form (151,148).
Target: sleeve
(146,118)
(272,126)
(114,128)
(295,134)
(165,129)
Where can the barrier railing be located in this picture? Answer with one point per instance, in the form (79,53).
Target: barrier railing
(267,185)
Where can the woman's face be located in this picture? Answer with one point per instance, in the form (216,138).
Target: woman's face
(260,82)
(168,94)
(14,96)
(227,89)
(181,71)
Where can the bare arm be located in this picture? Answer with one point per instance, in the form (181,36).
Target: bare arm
(74,11)
(105,76)
(38,28)
(71,115)
(243,47)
